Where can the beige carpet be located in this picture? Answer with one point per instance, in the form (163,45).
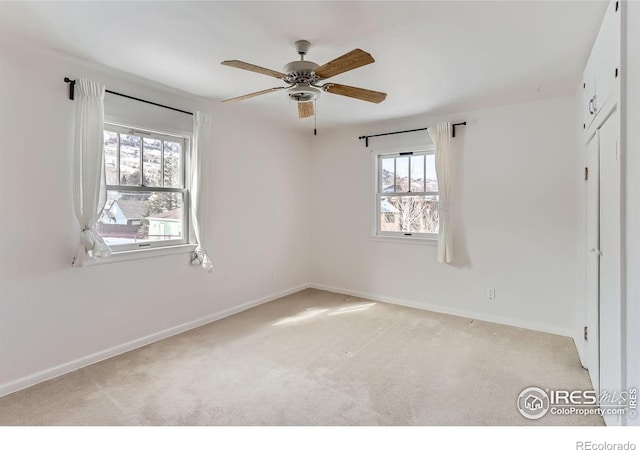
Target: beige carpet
(315,358)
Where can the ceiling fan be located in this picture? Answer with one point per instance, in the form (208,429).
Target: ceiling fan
(303,78)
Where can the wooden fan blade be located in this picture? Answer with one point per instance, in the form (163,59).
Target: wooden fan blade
(305,109)
(253,94)
(349,61)
(354,92)
(253,68)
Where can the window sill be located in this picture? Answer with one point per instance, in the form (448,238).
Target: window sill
(404,240)
(131,255)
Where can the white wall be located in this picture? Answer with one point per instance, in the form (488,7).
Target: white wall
(513,209)
(51,314)
(631,142)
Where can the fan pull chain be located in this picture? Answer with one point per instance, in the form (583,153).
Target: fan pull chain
(315,116)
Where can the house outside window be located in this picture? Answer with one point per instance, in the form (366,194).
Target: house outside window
(147,189)
(407,195)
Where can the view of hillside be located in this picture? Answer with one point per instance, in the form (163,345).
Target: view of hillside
(129,216)
(154,156)
(395,174)
(409,213)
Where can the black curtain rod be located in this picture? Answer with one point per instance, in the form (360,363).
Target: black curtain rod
(72,85)
(366,138)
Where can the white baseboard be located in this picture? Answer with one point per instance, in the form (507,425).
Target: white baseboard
(47,374)
(446,310)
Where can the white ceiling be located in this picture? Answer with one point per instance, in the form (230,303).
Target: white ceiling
(431,57)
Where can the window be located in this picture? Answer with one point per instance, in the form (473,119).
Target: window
(147,196)
(407,195)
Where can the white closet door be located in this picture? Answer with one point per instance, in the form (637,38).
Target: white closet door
(610,263)
(607,54)
(588,91)
(593,258)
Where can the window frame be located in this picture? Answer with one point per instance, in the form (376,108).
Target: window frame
(377,232)
(155,247)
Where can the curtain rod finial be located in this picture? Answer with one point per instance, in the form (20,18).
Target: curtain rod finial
(72,85)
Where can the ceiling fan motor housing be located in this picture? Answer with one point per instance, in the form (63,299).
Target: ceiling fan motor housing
(300,72)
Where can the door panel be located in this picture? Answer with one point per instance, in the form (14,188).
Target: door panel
(607,51)
(592,269)
(610,261)
(588,91)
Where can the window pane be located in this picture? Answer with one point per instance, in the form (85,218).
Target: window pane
(402,174)
(173,164)
(138,217)
(387,175)
(430,176)
(111,156)
(417,173)
(129,160)
(151,162)
(409,214)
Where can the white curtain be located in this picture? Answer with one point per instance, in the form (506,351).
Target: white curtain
(201,143)
(441,136)
(89,190)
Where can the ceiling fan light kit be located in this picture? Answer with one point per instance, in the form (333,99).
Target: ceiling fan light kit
(301,92)
(303,79)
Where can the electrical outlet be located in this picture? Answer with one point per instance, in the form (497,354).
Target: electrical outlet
(272,276)
(491,293)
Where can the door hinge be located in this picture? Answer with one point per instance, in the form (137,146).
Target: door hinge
(586,333)
(617,5)
(584,85)
(586,173)
(616,72)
